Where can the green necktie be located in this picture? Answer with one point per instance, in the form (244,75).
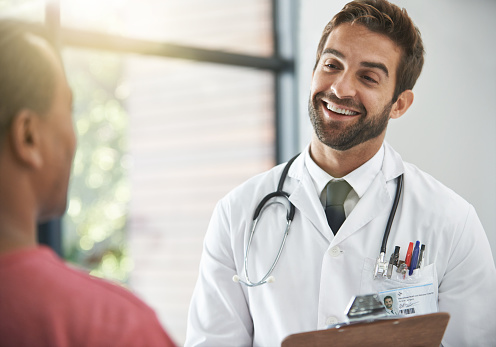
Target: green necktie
(337,191)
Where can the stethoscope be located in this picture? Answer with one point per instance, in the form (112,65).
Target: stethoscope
(381,264)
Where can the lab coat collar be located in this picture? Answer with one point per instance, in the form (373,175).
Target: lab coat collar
(305,198)
(377,197)
(392,167)
(361,178)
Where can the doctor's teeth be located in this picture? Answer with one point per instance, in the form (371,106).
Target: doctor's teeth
(340,110)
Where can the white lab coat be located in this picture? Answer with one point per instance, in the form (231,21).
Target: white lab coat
(318,273)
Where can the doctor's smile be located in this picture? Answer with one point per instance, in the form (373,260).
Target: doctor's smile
(341,110)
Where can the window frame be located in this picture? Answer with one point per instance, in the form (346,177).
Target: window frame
(280,63)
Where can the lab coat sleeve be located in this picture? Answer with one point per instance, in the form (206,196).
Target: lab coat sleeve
(467,289)
(218,314)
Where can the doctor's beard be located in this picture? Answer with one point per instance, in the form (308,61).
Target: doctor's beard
(339,136)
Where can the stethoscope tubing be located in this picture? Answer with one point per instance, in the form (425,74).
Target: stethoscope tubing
(397,197)
(256,215)
(290,215)
(248,282)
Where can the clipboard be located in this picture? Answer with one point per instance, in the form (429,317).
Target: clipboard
(422,330)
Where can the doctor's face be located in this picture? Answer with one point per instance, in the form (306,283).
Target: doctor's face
(352,87)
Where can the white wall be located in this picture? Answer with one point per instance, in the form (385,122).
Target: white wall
(450,130)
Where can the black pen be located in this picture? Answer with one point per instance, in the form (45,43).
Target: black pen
(393,261)
(395,256)
(421,256)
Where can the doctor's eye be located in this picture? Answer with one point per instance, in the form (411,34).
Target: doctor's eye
(369,79)
(331,66)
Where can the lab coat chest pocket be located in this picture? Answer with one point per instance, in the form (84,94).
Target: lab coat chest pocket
(410,295)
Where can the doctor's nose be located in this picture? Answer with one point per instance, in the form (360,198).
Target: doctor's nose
(344,87)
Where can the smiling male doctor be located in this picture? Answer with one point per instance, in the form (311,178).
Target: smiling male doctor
(368,60)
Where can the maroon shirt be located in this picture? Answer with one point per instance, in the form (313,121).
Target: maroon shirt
(43,302)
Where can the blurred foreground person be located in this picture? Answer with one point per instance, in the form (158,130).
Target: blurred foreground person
(43,302)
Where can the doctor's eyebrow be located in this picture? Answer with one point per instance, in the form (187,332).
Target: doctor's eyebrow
(368,64)
(379,66)
(333,52)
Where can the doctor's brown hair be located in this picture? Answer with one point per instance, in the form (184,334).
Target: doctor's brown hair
(382,17)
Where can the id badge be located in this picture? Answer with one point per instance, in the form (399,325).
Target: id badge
(403,295)
(413,300)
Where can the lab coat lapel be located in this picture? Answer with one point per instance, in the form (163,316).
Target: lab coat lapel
(306,200)
(378,198)
(375,200)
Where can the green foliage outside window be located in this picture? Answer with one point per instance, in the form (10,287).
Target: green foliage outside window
(94,228)
(95,223)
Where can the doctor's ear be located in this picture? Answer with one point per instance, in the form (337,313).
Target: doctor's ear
(25,138)
(401,105)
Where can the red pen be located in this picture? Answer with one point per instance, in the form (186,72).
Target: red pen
(408,258)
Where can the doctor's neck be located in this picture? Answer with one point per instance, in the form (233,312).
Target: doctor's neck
(340,163)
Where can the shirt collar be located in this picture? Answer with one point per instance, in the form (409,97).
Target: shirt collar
(359,179)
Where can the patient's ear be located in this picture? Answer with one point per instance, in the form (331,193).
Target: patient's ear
(401,105)
(25,138)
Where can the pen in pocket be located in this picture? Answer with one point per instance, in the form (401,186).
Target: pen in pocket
(421,256)
(408,257)
(415,258)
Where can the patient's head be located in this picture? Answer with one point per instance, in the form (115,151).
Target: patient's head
(37,140)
